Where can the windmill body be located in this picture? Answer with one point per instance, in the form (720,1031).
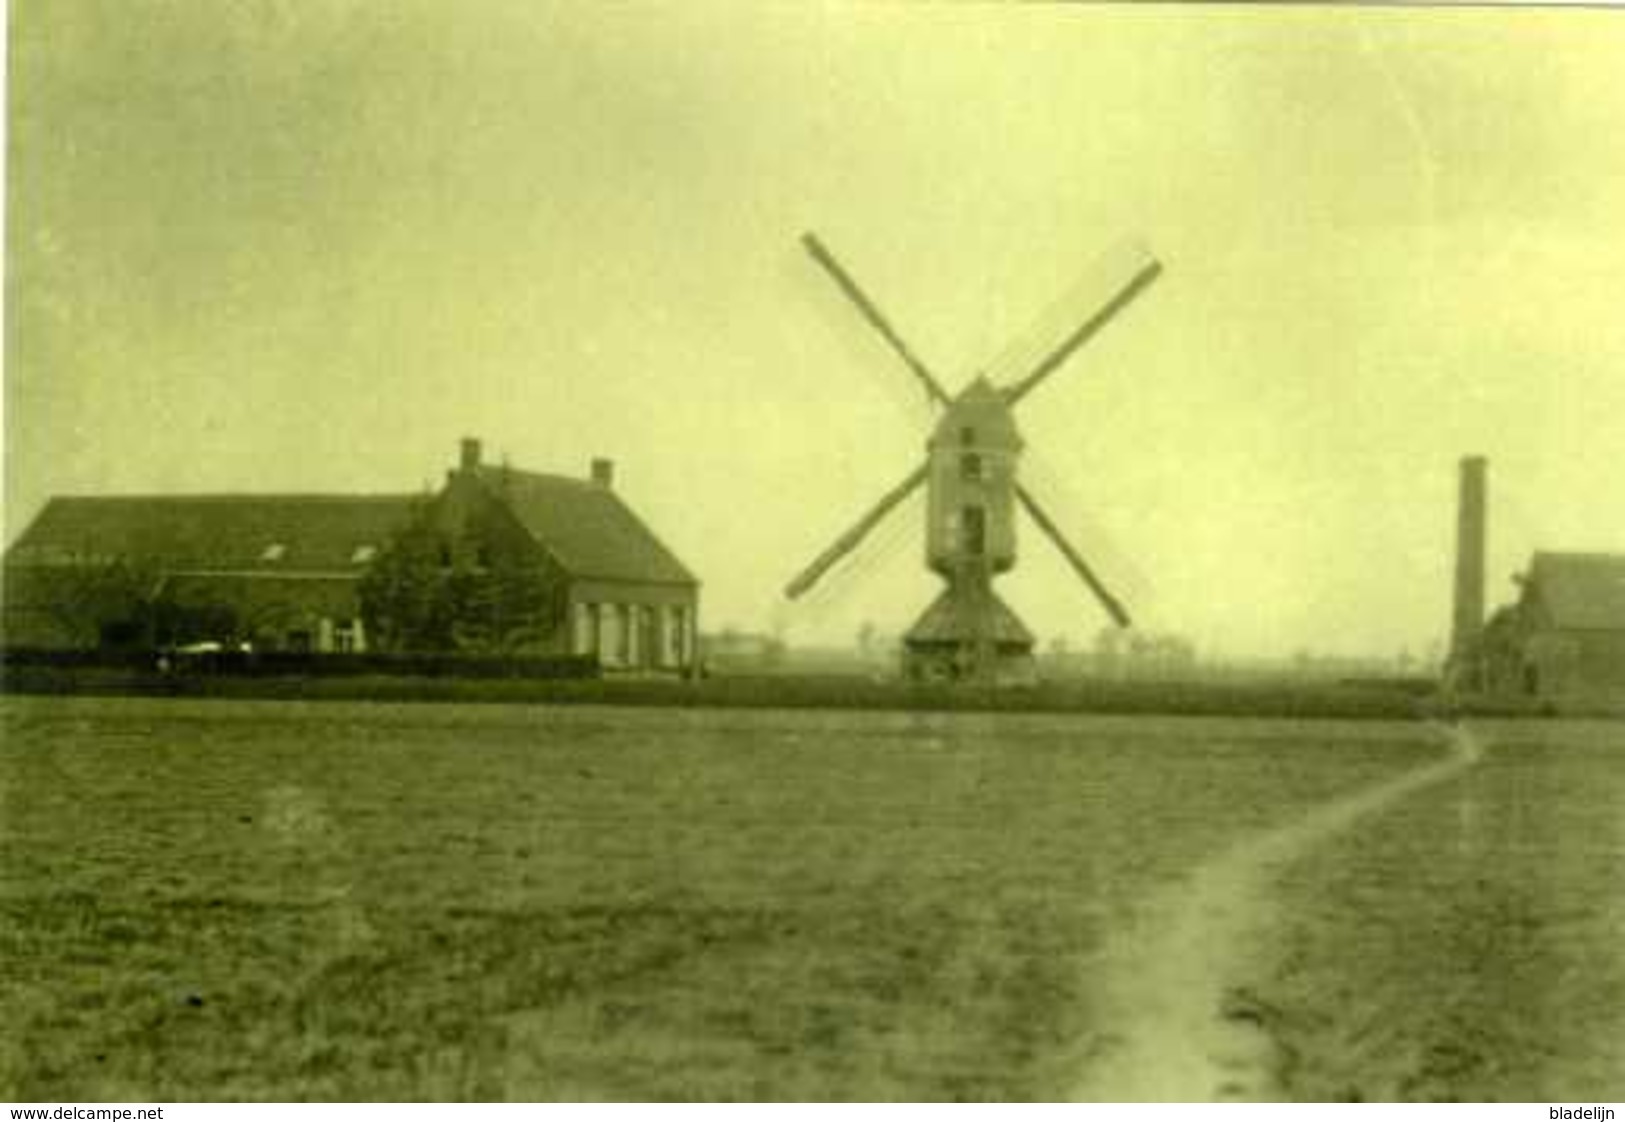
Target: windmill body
(973,489)
(972,460)
(972,455)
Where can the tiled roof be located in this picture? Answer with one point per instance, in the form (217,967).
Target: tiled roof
(236,533)
(1581,590)
(586,526)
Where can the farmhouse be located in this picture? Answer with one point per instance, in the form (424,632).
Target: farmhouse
(1565,635)
(597,579)
(498,560)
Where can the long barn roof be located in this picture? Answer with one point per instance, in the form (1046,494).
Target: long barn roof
(584,525)
(218,533)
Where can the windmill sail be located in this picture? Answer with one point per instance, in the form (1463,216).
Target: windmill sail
(1113,606)
(1076,318)
(873,315)
(853,537)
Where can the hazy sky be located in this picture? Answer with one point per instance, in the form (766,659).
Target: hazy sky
(306,246)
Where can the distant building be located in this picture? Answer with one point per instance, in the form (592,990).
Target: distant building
(741,652)
(1566,633)
(576,571)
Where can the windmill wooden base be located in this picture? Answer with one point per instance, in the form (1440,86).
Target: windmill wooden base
(968,634)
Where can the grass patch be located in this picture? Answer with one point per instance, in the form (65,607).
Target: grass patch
(1467,945)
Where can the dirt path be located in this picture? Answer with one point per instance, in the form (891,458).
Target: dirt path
(1187,1029)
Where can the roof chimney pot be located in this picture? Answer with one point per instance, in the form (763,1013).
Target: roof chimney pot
(603,472)
(471,453)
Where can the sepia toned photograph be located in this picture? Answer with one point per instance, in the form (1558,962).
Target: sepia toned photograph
(649,552)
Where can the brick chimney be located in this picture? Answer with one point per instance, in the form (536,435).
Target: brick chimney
(603,472)
(470,457)
(1467,621)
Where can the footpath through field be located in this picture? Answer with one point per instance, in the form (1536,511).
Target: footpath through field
(1184,1028)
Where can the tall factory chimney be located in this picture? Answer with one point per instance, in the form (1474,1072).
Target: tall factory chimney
(1468,620)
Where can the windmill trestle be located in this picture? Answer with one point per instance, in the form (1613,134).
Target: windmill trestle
(968,634)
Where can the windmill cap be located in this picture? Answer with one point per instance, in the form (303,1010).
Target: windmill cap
(978,418)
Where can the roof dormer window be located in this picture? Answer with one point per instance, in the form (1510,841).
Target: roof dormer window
(274,552)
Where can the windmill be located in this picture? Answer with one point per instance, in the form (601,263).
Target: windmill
(972,492)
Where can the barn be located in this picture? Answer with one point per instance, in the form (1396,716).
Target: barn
(1565,635)
(499,560)
(279,570)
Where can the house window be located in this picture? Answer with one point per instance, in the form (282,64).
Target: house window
(445,556)
(970,467)
(967,435)
(611,635)
(363,554)
(274,552)
(584,641)
(482,558)
(347,636)
(635,653)
(623,627)
(675,637)
(648,635)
